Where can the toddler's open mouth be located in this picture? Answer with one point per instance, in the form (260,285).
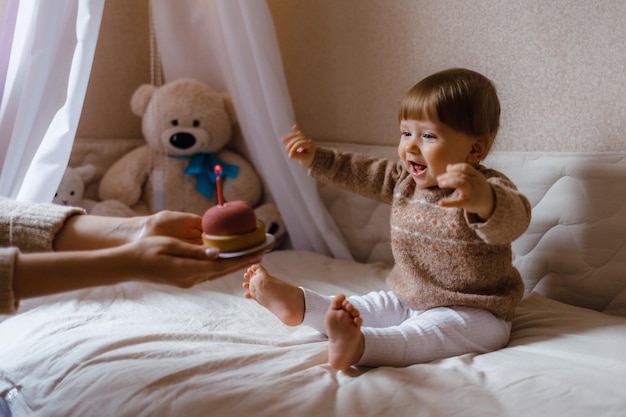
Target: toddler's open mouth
(417,169)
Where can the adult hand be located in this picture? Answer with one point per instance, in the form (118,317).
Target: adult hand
(88,232)
(179,225)
(172,261)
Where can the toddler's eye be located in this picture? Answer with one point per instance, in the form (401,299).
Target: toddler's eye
(406,134)
(428,136)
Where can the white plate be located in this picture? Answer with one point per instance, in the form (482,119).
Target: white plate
(269,241)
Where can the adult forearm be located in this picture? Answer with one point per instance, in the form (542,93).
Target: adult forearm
(94,232)
(41,274)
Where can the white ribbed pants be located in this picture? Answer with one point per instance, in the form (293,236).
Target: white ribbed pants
(396,335)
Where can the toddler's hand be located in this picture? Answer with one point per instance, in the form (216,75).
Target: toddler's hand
(299,147)
(473,192)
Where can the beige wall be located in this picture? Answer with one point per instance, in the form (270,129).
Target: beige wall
(121,64)
(560,66)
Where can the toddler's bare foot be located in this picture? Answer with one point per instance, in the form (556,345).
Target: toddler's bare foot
(286,301)
(343,324)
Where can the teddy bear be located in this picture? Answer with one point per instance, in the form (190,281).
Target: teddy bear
(72,187)
(186,125)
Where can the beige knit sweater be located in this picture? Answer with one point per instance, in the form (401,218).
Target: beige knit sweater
(25,227)
(443,256)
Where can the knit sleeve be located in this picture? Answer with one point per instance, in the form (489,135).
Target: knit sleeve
(511,215)
(373,178)
(32,227)
(8,303)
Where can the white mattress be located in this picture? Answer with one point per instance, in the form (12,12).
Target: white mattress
(149,350)
(146,350)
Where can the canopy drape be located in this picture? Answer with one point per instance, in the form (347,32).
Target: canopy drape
(46,54)
(231,45)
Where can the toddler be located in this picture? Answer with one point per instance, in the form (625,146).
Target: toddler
(453,288)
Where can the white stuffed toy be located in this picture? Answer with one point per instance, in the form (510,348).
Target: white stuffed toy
(186,125)
(72,187)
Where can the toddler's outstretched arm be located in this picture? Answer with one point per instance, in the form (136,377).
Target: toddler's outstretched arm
(299,147)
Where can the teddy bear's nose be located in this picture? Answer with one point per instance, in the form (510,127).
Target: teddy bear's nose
(182,140)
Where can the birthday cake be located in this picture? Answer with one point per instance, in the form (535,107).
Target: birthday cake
(232,227)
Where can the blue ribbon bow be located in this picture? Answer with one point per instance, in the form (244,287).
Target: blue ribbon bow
(203,167)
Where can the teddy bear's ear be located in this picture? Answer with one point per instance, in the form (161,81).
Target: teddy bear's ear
(141,98)
(230,109)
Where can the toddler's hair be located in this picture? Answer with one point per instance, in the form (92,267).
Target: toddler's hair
(462,99)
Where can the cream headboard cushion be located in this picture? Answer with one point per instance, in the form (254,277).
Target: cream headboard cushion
(575,248)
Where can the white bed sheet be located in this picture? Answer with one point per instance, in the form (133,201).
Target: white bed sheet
(148,350)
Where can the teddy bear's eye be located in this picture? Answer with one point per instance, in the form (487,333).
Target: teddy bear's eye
(196,123)
(175,122)
(72,193)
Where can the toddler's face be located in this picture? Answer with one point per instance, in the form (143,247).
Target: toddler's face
(427,147)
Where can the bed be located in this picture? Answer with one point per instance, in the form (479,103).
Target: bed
(149,350)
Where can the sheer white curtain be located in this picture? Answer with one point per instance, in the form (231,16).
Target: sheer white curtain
(47,72)
(231,45)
